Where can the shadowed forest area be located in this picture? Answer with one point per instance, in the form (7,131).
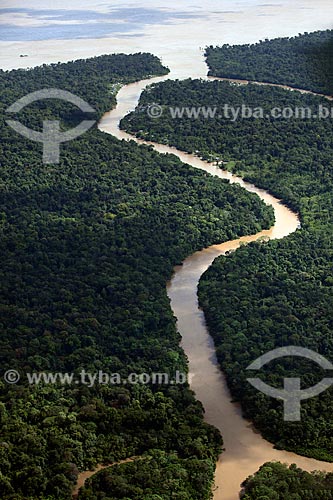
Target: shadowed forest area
(87,247)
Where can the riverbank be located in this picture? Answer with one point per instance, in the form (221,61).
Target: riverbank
(245,449)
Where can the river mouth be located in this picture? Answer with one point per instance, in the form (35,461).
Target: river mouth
(245,449)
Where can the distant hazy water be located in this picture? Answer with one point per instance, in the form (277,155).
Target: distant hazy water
(28,24)
(48,31)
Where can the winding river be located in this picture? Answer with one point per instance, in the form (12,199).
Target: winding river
(245,449)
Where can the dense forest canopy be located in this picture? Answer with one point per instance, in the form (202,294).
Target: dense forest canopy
(154,476)
(87,246)
(304,61)
(271,294)
(91,79)
(291,157)
(275,481)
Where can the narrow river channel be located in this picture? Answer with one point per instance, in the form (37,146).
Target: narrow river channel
(245,449)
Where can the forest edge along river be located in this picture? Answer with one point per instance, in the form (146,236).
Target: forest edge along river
(245,449)
(83,476)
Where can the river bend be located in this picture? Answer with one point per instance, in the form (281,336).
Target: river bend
(245,449)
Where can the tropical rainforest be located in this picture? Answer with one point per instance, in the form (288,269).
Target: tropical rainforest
(157,475)
(276,481)
(304,61)
(87,246)
(267,294)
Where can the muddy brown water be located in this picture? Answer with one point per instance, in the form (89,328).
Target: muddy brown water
(245,449)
